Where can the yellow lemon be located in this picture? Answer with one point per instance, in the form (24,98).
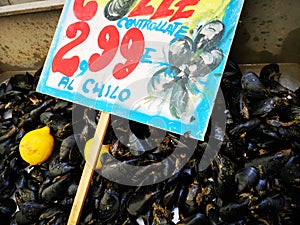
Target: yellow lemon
(36,146)
(87,147)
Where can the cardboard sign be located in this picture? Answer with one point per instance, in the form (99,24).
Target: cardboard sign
(158,62)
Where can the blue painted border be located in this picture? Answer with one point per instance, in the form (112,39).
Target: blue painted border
(196,128)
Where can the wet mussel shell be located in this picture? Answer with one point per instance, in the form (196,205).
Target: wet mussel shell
(22,82)
(252,179)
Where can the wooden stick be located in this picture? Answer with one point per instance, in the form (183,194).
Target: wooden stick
(88,170)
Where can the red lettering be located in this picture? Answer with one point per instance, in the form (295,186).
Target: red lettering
(68,66)
(184,14)
(132,48)
(108,41)
(86,12)
(142,9)
(163,10)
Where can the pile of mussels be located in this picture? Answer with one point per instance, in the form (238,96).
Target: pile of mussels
(253,178)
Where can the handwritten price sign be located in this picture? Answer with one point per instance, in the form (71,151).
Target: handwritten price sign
(158,62)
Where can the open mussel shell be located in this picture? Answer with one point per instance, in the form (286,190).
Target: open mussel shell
(208,36)
(180,51)
(162,81)
(254,178)
(116,9)
(203,63)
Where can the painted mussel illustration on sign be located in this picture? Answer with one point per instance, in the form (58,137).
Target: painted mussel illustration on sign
(190,61)
(116,9)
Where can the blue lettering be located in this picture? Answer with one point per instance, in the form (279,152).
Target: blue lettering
(181,32)
(84,86)
(172,27)
(70,88)
(142,23)
(83,66)
(64,81)
(124,95)
(108,90)
(113,96)
(135,22)
(129,24)
(146,23)
(171,73)
(99,90)
(119,24)
(146,57)
(159,26)
(152,26)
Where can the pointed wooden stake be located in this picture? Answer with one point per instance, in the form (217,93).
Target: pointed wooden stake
(88,170)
